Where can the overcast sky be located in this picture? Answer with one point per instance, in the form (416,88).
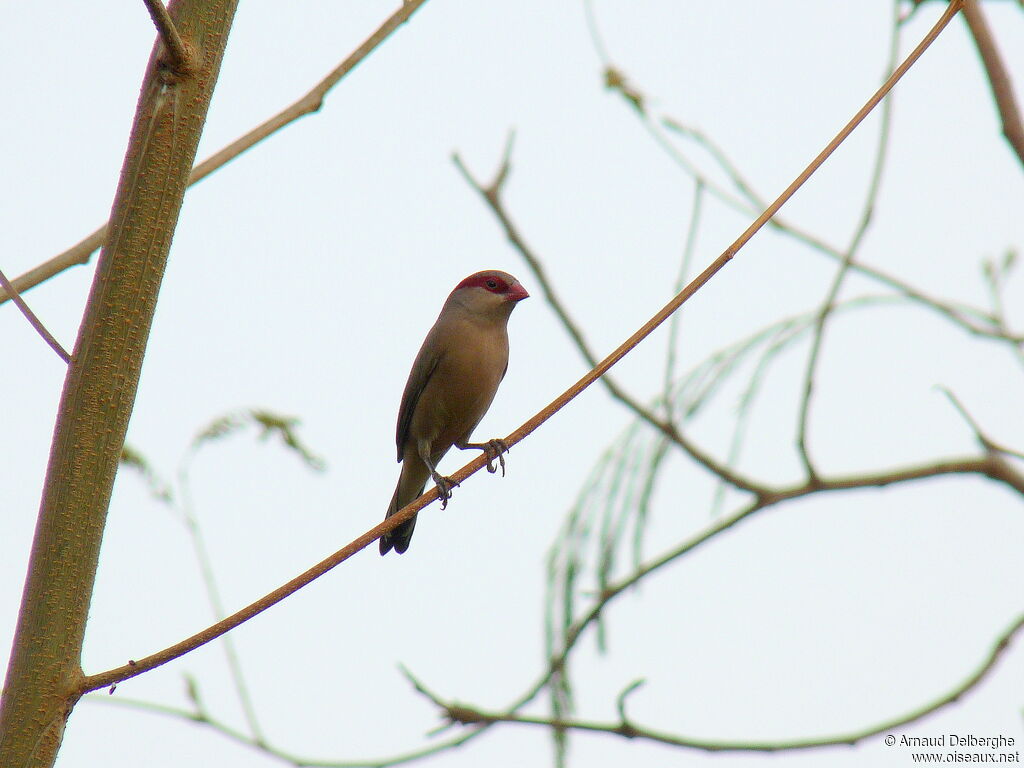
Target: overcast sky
(304,275)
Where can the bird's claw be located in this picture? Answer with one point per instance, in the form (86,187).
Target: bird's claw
(494,450)
(444,488)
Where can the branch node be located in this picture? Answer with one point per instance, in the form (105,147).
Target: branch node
(179,60)
(990,446)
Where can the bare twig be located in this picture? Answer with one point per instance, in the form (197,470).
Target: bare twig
(986,442)
(992,465)
(462,713)
(998,76)
(308,104)
(195,532)
(282,755)
(828,304)
(33,320)
(180,55)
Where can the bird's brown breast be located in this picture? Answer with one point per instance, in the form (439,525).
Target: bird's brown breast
(460,390)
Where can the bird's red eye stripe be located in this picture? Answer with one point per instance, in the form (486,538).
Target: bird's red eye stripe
(487,282)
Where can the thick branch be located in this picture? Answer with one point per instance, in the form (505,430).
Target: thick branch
(43,675)
(998,76)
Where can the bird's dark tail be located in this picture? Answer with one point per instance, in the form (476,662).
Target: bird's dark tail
(408,489)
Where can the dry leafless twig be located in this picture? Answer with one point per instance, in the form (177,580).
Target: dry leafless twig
(308,104)
(33,319)
(626,728)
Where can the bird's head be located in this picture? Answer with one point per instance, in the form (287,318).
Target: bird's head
(489,293)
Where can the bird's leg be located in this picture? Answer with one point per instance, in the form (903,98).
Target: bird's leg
(444,484)
(494,450)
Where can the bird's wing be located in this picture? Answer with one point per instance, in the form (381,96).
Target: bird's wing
(420,374)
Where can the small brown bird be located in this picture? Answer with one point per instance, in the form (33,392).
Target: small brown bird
(451,386)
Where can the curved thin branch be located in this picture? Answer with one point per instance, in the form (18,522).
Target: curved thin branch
(461,713)
(847,261)
(311,102)
(263,748)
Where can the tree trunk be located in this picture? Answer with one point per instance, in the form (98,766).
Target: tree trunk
(44,672)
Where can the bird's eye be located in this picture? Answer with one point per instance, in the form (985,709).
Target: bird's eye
(492,284)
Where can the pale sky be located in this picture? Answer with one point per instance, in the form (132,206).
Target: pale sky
(304,275)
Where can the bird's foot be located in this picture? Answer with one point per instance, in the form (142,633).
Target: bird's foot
(494,450)
(444,488)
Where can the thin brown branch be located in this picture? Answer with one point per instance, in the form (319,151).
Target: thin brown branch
(311,102)
(137,667)
(33,319)
(998,76)
(460,713)
(104,679)
(180,63)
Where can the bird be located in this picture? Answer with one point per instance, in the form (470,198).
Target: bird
(450,387)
